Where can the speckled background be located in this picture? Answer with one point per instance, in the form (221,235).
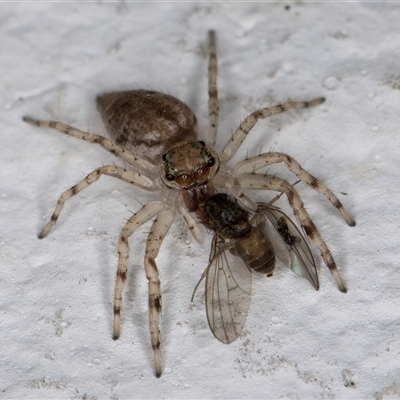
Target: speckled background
(56,294)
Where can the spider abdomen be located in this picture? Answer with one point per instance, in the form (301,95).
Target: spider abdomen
(145,122)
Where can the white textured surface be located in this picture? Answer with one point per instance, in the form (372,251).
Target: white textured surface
(56,293)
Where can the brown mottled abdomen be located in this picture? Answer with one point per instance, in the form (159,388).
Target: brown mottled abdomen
(147,123)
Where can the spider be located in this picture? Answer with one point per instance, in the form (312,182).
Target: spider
(156,135)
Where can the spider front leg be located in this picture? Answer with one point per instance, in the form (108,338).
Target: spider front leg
(256,163)
(133,178)
(157,234)
(145,214)
(114,148)
(266,182)
(247,125)
(160,227)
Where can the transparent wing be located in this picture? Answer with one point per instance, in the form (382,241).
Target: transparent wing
(228,291)
(289,244)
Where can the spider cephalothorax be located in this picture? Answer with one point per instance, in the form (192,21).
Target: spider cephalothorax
(189,165)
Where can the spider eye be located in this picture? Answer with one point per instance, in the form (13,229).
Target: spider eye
(211,162)
(184,180)
(202,143)
(169,177)
(164,156)
(202,173)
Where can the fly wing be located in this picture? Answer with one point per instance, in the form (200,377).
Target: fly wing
(228,291)
(290,246)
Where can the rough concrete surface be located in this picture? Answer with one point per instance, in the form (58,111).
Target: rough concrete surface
(56,293)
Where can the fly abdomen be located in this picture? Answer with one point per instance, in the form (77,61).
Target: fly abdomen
(256,251)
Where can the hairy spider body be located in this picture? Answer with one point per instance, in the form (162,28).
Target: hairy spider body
(147,123)
(156,134)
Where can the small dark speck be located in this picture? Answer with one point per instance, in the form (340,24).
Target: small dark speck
(287,7)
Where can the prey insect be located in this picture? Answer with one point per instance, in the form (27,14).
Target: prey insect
(242,244)
(155,135)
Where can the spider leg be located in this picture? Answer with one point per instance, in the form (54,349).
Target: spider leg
(256,163)
(117,172)
(145,214)
(191,224)
(114,148)
(248,123)
(267,182)
(213,105)
(157,234)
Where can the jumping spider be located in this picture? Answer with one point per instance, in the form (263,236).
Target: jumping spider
(156,134)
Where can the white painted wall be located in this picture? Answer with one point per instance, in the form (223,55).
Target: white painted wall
(56,293)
